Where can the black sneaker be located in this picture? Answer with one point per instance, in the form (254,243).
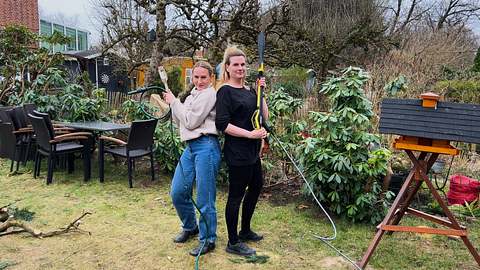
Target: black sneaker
(240,248)
(250,236)
(207,248)
(183,236)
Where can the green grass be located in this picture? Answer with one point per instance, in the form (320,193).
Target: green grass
(133,228)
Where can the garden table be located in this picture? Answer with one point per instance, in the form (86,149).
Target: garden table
(98,127)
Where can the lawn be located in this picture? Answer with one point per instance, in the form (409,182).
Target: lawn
(133,228)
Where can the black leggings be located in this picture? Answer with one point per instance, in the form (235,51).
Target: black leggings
(241,177)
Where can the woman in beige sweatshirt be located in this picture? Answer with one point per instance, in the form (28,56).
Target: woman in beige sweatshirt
(199,162)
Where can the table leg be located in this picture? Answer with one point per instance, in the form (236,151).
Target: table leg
(100,159)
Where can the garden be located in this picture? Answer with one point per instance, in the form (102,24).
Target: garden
(325,112)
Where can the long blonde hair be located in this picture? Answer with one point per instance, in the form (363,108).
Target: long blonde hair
(231,51)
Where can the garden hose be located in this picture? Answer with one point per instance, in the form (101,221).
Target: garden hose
(324,239)
(202,215)
(142,92)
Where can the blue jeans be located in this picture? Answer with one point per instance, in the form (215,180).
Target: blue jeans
(200,161)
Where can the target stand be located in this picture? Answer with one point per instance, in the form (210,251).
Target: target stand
(426,128)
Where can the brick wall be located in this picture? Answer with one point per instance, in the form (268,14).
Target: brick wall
(24,12)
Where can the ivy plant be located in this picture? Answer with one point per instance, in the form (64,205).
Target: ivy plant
(340,157)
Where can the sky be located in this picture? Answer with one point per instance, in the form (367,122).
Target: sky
(81,13)
(76,13)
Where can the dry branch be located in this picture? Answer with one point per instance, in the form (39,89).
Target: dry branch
(12,223)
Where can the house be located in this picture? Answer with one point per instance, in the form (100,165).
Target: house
(99,67)
(182,62)
(24,12)
(79,38)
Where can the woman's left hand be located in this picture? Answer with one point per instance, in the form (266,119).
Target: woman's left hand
(168,96)
(261,82)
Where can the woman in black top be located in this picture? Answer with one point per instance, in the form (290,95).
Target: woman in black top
(235,106)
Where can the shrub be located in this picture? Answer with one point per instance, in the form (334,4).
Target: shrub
(460,90)
(281,105)
(137,110)
(76,106)
(168,147)
(476,61)
(337,157)
(293,81)
(62,100)
(174,75)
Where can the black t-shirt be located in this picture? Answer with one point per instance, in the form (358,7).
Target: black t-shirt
(236,106)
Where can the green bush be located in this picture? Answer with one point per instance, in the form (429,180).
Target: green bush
(281,105)
(460,90)
(338,158)
(292,80)
(293,89)
(76,106)
(63,101)
(168,147)
(17,57)
(175,84)
(137,110)
(476,62)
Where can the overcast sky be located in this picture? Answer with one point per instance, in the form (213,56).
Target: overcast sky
(78,13)
(81,13)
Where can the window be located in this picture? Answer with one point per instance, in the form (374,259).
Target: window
(45,30)
(60,29)
(106,61)
(188,77)
(72,35)
(82,40)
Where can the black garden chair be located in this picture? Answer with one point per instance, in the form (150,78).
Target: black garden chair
(4,118)
(139,144)
(9,147)
(23,133)
(54,146)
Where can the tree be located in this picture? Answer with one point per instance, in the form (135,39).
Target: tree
(305,38)
(21,62)
(192,25)
(476,62)
(124,27)
(454,13)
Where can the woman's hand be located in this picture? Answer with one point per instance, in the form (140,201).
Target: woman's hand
(258,134)
(262,82)
(168,96)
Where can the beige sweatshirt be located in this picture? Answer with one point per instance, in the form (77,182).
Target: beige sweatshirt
(196,116)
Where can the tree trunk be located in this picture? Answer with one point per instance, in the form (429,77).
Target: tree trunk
(157,50)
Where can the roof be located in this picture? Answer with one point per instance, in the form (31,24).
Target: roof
(87,54)
(449,121)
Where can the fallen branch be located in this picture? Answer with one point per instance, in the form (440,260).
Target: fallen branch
(11,222)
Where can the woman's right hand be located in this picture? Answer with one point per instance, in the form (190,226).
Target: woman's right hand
(168,96)
(258,134)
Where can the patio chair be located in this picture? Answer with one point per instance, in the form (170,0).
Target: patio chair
(4,118)
(139,144)
(22,132)
(9,147)
(29,108)
(56,129)
(53,146)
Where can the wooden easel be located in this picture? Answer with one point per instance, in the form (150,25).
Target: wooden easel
(429,150)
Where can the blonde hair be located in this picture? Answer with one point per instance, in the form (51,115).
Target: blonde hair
(205,65)
(231,51)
